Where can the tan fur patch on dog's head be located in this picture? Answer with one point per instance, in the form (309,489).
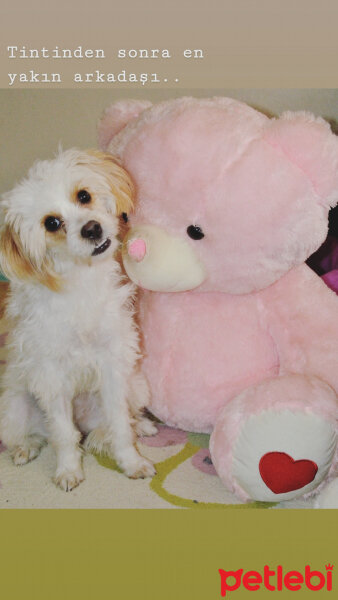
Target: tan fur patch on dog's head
(15,262)
(117,177)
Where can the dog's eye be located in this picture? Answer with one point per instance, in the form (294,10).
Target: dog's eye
(195,232)
(84,197)
(125,217)
(52,224)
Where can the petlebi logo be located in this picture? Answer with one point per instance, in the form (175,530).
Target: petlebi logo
(276,579)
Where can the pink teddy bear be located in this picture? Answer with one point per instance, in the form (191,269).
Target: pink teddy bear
(240,336)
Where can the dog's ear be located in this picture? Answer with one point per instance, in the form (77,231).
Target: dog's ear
(16,264)
(119,181)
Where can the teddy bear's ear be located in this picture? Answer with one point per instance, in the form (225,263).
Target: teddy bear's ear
(310,144)
(116,117)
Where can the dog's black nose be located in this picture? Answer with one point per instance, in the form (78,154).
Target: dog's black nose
(92,230)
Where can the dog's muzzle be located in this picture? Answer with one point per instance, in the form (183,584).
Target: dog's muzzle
(93,231)
(102,247)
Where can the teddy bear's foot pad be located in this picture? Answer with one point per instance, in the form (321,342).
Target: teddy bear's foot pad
(328,497)
(282,455)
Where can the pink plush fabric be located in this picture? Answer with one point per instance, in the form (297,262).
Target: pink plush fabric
(116,117)
(260,190)
(201,350)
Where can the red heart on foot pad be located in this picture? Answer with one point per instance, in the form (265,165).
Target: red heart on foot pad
(281,473)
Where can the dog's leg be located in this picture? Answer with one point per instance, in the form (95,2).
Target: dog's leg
(22,428)
(119,434)
(144,427)
(138,400)
(65,438)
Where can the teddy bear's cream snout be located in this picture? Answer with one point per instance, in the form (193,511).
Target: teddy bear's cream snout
(160,262)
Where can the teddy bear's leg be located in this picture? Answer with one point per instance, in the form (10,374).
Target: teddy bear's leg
(277,440)
(328,496)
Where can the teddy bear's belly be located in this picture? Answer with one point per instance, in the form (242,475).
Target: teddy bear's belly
(201,350)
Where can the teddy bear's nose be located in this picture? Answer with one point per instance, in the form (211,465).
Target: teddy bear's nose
(137,249)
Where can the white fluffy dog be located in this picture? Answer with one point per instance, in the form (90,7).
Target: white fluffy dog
(73,349)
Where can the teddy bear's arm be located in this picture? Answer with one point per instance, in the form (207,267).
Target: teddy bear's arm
(302,317)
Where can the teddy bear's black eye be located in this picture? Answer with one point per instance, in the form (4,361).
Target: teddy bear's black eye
(83,196)
(52,224)
(125,217)
(195,232)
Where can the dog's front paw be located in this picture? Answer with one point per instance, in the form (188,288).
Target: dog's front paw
(68,480)
(27,451)
(140,469)
(145,427)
